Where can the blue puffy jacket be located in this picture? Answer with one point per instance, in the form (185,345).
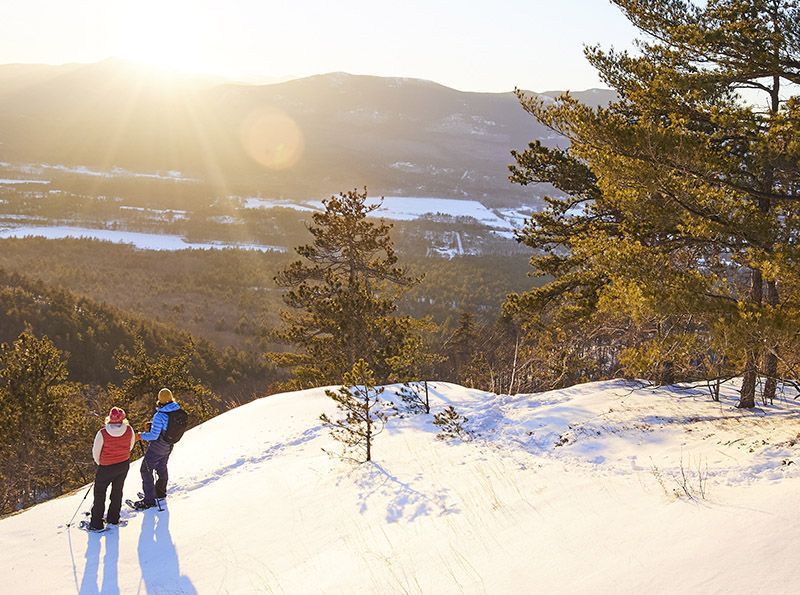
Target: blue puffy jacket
(160,420)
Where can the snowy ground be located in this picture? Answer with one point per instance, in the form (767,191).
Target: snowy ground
(600,488)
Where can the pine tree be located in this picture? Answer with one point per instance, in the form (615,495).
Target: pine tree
(144,377)
(344,294)
(452,425)
(44,424)
(674,190)
(463,345)
(358,399)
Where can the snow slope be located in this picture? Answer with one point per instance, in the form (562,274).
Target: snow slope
(601,488)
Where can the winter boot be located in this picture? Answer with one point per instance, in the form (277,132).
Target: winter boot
(142,505)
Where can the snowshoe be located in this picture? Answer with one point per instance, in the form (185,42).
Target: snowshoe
(140,504)
(85,526)
(120,523)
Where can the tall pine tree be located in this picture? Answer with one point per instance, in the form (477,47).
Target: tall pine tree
(343,294)
(680,200)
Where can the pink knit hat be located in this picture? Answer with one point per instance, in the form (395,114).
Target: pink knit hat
(116,415)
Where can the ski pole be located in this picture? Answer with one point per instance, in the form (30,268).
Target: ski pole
(81,504)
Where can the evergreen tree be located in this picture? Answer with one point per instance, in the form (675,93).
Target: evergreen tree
(44,424)
(144,377)
(462,345)
(452,425)
(358,399)
(344,295)
(679,201)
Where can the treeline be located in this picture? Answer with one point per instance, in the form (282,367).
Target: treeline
(474,284)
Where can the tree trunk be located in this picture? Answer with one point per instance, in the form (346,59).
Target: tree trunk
(771,356)
(666,373)
(514,368)
(771,373)
(747,396)
(369,423)
(714,388)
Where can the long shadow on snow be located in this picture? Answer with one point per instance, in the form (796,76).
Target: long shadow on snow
(91,570)
(158,557)
(405,502)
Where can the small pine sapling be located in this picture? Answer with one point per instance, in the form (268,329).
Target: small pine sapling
(452,425)
(415,397)
(358,399)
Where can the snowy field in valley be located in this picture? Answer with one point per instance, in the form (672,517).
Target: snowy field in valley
(606,487)
(142,241)
(397,208)
(408,208)
(16,181)
(44,170)
(502,222)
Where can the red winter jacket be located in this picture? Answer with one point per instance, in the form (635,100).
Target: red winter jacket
(113,444)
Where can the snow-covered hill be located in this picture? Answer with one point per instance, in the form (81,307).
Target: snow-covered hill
(600,488)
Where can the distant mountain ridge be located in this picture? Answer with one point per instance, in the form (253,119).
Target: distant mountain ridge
(398,137)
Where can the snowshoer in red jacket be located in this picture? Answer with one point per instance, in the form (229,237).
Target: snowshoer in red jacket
(112,453)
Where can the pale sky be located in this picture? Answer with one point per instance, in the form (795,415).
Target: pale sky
(470,45)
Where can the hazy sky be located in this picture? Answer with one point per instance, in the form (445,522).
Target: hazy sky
(471,45)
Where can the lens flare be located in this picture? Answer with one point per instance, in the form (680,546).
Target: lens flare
(272,138)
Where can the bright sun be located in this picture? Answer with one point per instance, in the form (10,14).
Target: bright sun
(177,34)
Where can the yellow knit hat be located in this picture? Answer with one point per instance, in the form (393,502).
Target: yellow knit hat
(164,396)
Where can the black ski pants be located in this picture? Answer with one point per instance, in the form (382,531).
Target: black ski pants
(113,475)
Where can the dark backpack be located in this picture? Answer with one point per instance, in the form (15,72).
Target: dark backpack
(176,426)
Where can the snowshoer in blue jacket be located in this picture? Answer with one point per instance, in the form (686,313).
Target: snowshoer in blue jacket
(157,454)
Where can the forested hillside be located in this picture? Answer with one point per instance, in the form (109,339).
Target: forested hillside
(65,359)
(90,333)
